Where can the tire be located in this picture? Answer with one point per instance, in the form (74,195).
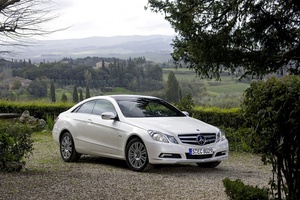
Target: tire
(209,164)
(67,148)
(137,156)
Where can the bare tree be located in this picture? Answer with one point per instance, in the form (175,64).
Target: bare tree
(21,20)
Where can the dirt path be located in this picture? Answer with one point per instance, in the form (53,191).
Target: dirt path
(98,178)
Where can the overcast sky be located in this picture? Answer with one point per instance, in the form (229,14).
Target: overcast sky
(88,18)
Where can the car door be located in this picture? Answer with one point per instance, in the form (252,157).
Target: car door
(103,134)
(79,120)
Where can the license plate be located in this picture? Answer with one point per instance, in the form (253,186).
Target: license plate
(204,151)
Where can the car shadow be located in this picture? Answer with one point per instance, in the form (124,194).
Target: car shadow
(155,169)
(102,160)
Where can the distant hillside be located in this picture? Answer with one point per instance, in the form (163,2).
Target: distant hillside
(154,47)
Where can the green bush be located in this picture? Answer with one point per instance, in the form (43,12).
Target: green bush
(240,140)
(219,116)
(37,109)
(15,143)
(272,108)
(186,104)
(50,122)
(237,190)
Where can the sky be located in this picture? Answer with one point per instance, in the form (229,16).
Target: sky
(88,18)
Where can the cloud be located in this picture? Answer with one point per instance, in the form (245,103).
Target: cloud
(107,18)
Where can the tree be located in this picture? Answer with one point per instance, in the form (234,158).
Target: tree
(186,104)
(260,36)
(75,94)
(173,90)
(272,108)
(52,92)
(80,95)
(64,98)
(87,92)
(38,88)
(20,20)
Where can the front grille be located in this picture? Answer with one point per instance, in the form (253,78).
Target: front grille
(207,138)
(188,156)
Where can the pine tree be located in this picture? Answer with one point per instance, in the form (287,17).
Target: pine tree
(80,95)
(87,92)
(75,94)
(52,92)
(173,89)
(64,98)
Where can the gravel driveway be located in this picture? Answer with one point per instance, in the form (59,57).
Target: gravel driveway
(48,177)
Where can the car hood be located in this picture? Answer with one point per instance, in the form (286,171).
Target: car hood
(173,125)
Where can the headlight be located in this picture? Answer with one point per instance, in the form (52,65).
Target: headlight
(161,137)
(220,136)
(171,139)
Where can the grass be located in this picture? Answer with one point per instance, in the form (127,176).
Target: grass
(45,154)
(228,88)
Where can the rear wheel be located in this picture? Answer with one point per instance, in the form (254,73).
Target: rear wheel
(209,164)
(67,148)
(137,156)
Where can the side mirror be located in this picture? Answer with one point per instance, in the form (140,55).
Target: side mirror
(108,116)
(186,113)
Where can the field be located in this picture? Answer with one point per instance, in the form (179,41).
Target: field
(225,93)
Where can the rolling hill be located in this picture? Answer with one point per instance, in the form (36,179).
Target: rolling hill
(154,47)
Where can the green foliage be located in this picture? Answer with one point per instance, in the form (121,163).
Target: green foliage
(64,97)
(16,84)
(52,92)
(220,116)
(15,143)
(260,36)
(134,74)
(240,140)
(87,92)
(272,108)
(186,104)
(38,88)
(75,94)
(50,121)
(37,109)
(237,190)
(173,90)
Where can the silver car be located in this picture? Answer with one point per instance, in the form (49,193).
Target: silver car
(142,130)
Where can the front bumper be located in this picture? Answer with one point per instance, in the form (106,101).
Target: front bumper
(167,153)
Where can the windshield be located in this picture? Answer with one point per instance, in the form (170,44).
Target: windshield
(147,107)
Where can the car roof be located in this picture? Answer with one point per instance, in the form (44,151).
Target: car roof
(130,97)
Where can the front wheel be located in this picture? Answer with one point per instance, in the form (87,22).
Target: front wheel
(137,156)
(67,148)
(209,164)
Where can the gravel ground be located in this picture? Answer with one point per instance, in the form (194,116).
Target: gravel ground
(48,177)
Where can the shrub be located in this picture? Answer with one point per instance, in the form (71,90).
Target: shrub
(237,190)
(50,122)
(219,116)
(272,108)
(240,139)
(186,104)
(15,143)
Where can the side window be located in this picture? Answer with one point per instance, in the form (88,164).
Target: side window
(102,106)
(86,107)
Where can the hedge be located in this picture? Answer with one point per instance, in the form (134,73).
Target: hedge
(37,109)
(229,120)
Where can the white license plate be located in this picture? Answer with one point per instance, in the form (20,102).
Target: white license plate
(205,151)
